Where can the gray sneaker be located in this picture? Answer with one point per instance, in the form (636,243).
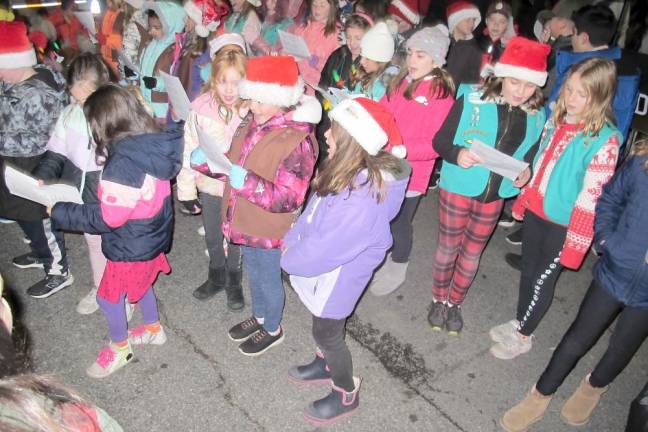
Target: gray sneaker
(504,331)
(437,316)
(50,285)
(27,261)
(454,321)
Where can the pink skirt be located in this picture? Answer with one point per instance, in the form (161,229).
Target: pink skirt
(133,278)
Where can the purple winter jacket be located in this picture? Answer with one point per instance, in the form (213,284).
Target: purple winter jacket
(338,241)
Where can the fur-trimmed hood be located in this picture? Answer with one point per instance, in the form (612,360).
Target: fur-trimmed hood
(307,110)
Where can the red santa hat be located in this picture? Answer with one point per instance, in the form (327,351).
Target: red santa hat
(16,51)
(412,11)
(370,124)
(206,14)
(524,59)
(272,80)
(461,10)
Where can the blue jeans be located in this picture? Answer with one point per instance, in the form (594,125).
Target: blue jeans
(266,288)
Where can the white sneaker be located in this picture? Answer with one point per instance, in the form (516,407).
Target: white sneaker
(207,253)
(88,304)
(109,359)
(201,231)
(141,336)
(512,347)
(502,332)
(388,278)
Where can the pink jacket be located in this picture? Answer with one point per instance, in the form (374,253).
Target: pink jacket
(418,120)
(320,47)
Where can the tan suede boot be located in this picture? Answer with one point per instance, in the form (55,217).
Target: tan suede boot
(527,412)
(579,407)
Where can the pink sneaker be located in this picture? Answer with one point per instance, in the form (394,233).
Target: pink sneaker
(141,336)
(109,359)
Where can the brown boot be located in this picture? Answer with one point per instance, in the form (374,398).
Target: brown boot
(579,407)
(527,412)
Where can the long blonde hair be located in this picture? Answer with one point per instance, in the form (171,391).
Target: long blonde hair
(227,57)
(598,77)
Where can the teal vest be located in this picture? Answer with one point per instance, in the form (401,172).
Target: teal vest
(567,176)
(235,23)
(479,121)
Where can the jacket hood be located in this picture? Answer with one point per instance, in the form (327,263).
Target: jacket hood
(171,16)
(396,184)
(157,154)
(308,110)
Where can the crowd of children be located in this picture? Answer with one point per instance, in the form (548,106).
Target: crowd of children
(354,131)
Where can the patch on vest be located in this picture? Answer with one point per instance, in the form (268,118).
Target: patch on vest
(259,189)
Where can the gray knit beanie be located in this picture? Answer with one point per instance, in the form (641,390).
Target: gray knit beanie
(434,41)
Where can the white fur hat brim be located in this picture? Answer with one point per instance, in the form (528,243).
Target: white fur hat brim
(504,70)
(17,60)
(463,14)
(360,125)
(270,93)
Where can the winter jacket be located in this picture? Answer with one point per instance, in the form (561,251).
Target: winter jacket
(319,46)
(112,27)
(204,114)
(464,61)
(28,112)
(135,37)
(339,240)
(491,50)
(621,234)
(627,90)
(418,120)
(68,28)
(135,213)
(70,157)
(268,39)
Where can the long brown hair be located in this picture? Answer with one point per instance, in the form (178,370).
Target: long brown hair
(492,90)
(280,14)
(332,20)
(367,79)
(245,11)
(113,113)
(226,57)
(340,171)
(442,87)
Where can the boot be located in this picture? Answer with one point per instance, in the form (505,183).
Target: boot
(579,407)
(527,412)
(234,290)
(314,372)
(337,405)
(214,284)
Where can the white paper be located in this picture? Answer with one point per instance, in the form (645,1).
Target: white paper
(126,62)
(217,161)
(87,19)
(294,45)
(339,94)
(177,95)
(333,95)
(498,162)
(26,186)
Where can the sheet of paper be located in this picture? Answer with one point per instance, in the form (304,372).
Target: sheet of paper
(333,95)
(126,62)
(339,94)
(177,95)
(294,45)
(498,162)
(217,161)
(26,186)
(87,19)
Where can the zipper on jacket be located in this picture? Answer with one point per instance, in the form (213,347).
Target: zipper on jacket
(508,123)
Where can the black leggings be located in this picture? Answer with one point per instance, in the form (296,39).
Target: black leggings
(329,337)
(402,231)
(542,242)
(597,312)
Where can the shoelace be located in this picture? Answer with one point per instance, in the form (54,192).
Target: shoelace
(248,323)
(105,357)
(259,336)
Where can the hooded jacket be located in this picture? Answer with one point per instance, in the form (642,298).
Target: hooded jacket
(339,240)
(135,213)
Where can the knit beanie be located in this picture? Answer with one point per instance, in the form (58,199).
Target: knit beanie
(378,44)
(434,41)
(16,51)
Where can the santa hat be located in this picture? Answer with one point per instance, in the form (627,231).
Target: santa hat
(524,59)
(378,44)
(411,11)
(272,80)
(206,14)
(16,51)
(225,39)
(369,123)
(461,10)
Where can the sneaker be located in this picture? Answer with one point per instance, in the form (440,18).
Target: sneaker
(141,336)
(437,315)
(110,359)
(88,304)
(389,277)
(504,331)
(244,329)
(515,238)
(6,221)
(130,307)
(201,231)
(27,261)
(514,260)
(50,285)
(261,342)
(454,321)
(506,221)
(26,240)
(512,347)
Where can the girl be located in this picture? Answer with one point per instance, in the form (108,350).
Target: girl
(618,291)
(110,36)
(244,20)
(319,28)
(504,114)
(274,153)
(578,156)
(357,192)
(134,217)
(274,19)
(70,156)
(217,112)
(420,95)
(135,36)
(377,50)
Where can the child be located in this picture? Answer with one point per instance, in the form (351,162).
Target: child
(498,28)
(110,35)
(165,19)
(70,157)
(134,217)
(71,33)
(319,28)
(422,94)
(273,152)
(504,114)
(274,19)
(464,55)
(218,113)
(377,50)
(244,20)
(33,96)
(135,36)
(577,156)
(618,291)
(339,240)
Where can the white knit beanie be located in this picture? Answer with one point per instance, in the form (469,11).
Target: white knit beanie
(433,41)
(378,44)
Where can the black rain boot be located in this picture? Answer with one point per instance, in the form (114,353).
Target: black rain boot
(234,290)
(314,372)
(337,405)
(213,285)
